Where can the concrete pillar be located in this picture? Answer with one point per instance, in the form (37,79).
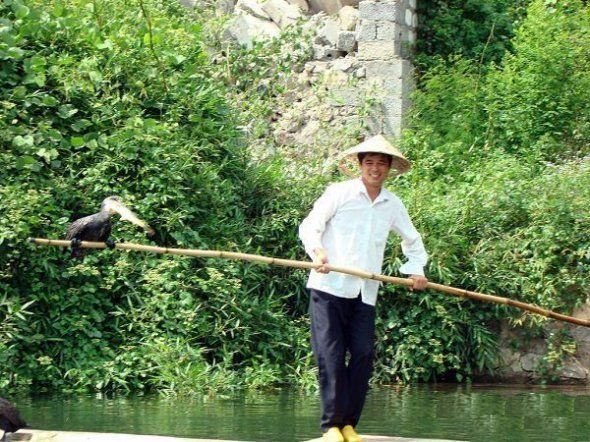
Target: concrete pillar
(385,35)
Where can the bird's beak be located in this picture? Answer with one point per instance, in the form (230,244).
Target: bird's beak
(128,215)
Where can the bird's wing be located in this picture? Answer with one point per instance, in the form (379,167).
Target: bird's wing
(77,228)
(104,231)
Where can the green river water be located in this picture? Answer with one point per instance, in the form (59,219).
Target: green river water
(475,413)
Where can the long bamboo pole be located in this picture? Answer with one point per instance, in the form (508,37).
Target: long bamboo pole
(310,265)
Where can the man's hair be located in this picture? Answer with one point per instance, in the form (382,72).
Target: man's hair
(362,155)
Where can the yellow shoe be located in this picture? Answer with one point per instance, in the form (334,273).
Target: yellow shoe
(333,435)
(350,435)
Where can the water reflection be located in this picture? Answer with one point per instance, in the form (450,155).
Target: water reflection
(476,413)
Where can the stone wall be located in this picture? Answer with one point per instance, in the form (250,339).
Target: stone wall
(360,79)
(527,359)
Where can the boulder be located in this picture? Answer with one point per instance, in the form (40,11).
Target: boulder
(252,7)
(225,6)
(246,29)
(346,41)
(301,4)
(281,12)
(328,31)
(349,18)
(346,64)
(327,6)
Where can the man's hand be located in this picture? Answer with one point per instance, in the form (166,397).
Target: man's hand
(419,282)
(321,258)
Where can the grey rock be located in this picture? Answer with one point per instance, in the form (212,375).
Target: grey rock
(301,4)
(361,72)
(327,6)
(346,41)
(529,362)
(349,18)
(343,97)
(393,109)
(225,6)
(395,106)
(325,53)
(328,31)
(345,64)
(252,7)
(246,29)
(281,12)
(384,10)
(334,79)
(573,370)
(319,66)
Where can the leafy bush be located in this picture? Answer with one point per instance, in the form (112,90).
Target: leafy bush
(500,191)
(476,29)
(106,98)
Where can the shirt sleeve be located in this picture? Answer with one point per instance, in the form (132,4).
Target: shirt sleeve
(412,245)
(313,226)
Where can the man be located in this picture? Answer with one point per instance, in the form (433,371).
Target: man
(348,226)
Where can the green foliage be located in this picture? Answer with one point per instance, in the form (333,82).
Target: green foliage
(106,98)
(474,29)
(500,190)
(537,101)
(559,346)
(110,98)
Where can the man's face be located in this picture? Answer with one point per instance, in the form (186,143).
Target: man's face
(375,169)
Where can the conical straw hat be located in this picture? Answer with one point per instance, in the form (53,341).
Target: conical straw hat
(376,144)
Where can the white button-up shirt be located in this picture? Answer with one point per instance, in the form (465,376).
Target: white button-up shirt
(353,230)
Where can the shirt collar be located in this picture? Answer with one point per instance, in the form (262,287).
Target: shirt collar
(360,187)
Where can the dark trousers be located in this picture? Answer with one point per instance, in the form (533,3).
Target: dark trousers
(338,326)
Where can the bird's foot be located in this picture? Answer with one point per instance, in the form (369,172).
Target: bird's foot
(75,243)
(110,243)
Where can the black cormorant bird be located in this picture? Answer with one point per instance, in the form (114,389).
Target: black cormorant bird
(97,227)
(10,419)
